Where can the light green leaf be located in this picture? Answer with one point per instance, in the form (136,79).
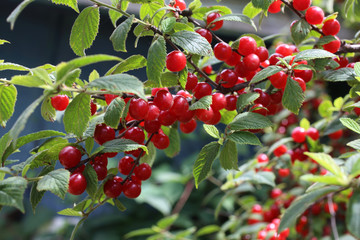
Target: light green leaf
(327,162)
(265,73)
(77,115)
(28,81)
(326,109)
(84,30)
(168,79)
(70,212)
(245,100)
(48,112)
(156,60)
(12,192)
(8,95)
(5,141)
(249,120)
(121,145)
(339,75)
(56,181)
(192,42)
(118,37)
(251,11)
(299,31)
(119,83)
(167,221)
(357,69)
(304,123)
(313,54)
(91,180)
(149,9)
(204,161)
(140,232)
(119,205)
(174,147)
(330,179)
(244,138)
(354,144)
(212,131)
(114,112)
(293,96)
(202,103)
(208,230)
(235,18)
(167,25)
(353,214)
(229,156)
(131,63)
(350,124)
(115,15)
(12,66)
(69,3)
(16,12)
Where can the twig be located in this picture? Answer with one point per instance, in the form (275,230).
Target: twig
(333,217)
(184,197)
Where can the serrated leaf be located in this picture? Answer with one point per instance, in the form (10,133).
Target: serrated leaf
(131,63)
(118,37)
(48,112)
(156,61)
(56,181)
(204,161)
(357,69)
(70,212)
(245,100)
(228,156)
(353,214)
(265,73)
(202,103)
(5,142)
(235,18)
(12,66)
(91,180)
(77,115)
(174,147)
(244,138)
(327,162)
(350,124)
(168,79)
(119,83)
(293,96)
(12,192)
(301,204)
(167,24)
(354,144)
(28,81)
(69,3)
(212,131)
(84,30)
(249,120)
(340,75)
(114,112)
(8,95)
(16,12)
(115,15)
(192,42)
(313,54)
(299,31)
(151,10)
(251,11)
(121,145)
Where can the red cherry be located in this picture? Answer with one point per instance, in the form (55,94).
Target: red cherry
(279,80)
(186,116)
(275,193)
(216,25)
(188,127)
(175,61)
(261,235)
(264,98)
(191,81)
(103,133)
(202,89)
(247,45)
(60,102)
(205,33)
(313,133)
(259,108)
(301,5)
(101,171)
(251,62)
(306,75)
(218,101)
(342,61)
(93,108)
(301,83)
(109,98)
(184,93)
(262,158)
(331,27)
(79,169)
(131,189)
(336,135)
(281,150)
(160,140)
(155,90)
(166,118)
(234,59)
(101,160)
(163,100)
(273,58)
(138,108)
(327,207)
(77,184)
(152,126)
(70,156)
(207,69)
(229,78)
(153,112)
(143,171)
(284,49)
(332,46)
(113,187)
(180,105)
(231,102)
(111,154)
(222,51)
(215,118)
(275,7)
(257,208)
(314,15)
(262,53)
(298,134)
(125,165)
(180,4)
(284,172)
(136,134)
(204,115)
(276,97)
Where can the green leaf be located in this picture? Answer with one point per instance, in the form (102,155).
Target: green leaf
(156,60)
(16,12)
(353,214)
(118,37)
(301,204)
(150,157)
(263,177)
(263,4)
(357,69)
(202,11)
(293,96)
(228,156)
(350,124)
(340,75)
(77,115)
(167,25)
(167,221)
(5,141)
(265,73)
(131,63)
(115,15)
(208,230)
(313,54)
(91,180)
(192,42)
(119,205)
(251,11)
(244,138)
(354,144)
(326,109)
(84,30)
(70,212)
(28,81)
(204,161)
(304,123)
(8,96)
(327,162)
(35,195)
(69,3)
(12,192)
(56,181)
(235,18)
(202,103)
(140,232)
(121,145)
(299,31)
(119,83)
(48,112)
(249,120)
(212,131)
(328,179)
(174,147)
(114,112)
(12,66)
(168,79)
(149,9)
(246,99)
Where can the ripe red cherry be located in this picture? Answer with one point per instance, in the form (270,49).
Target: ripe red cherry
(204,115)
(342,61)
(60,102)
(138,108)
(125,165)
(202,89)
(179,106)
(301,83)
(331,27)
(262,158)
(284,172)
(262,53)
(259,108)
(191,81)
(231,102)
(301,5)
(153,112)
(163,100)
(314,15)
(175,61)
(234,59)
(101,160)
(77,184)
(113,187)
(275,193)
(93,108)
(101,171)
(186,116)
(180,4)
(222,51)
(298,134)
(275,7)
(284,49)
(264,98)
(251,62)
(215,118)
(155,90)
(306,75)
(188,127)
(218,101)
(131,189)
(273,58)
(228,77)
(279,80)
(336,135)
(207,69)
(247,45)
(332,46)
(257,208)
(261,235)
(166,118)
(103,133)
(281,150)
(160,140)
(152,126)
(136,134)
(328,206)
(143,171)
(313,133)
(205,33)
(109,98)
(216,25)
(69,156)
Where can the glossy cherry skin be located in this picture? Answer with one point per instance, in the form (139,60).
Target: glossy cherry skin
(175,61)
(103,133)
(188,127)
(138,108)
(125,165)
(314,15)
(205,33)
(70,156)
(143,171)
(132,189)
(60,102)
(77,184)
(163,100)
(216,25)
(113,187)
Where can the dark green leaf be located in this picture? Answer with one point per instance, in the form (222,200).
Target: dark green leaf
(56,182)
(131,63)
(167,24)
(228,156)
(192,42)
(12,192)
(353,214)
(340,75)
(235,18)
(91,180)
(246,99)
(174,147)
(299,31)
(202,103)
(156,61)
(244,138)
(265,73)
(313,54)
(8,96)
(263,4)
(293,96)
(118,37)
(121,145)
(114,112)
(249,120)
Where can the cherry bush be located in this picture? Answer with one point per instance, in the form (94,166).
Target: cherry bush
(302,182)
